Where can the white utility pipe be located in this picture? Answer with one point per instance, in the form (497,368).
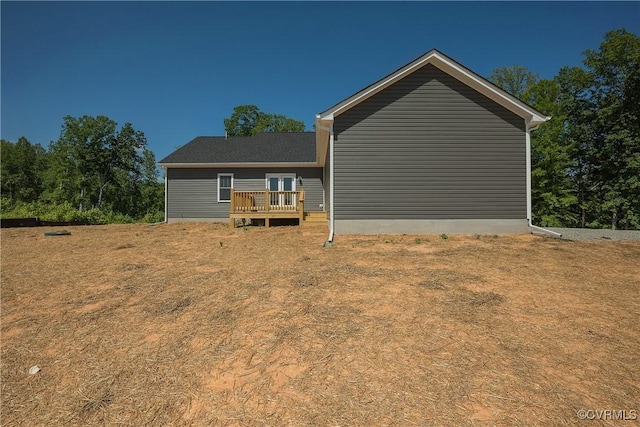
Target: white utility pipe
(544,229)
(330,130)
(166,197)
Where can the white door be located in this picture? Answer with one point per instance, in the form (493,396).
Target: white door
(282,182)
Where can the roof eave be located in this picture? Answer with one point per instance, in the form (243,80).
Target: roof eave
(323,128)
(242,165)
(536,121)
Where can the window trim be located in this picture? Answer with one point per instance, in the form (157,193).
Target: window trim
(292,175)
(281,199)
(225,188)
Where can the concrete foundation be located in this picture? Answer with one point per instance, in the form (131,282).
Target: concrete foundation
(173,220)
(448,226)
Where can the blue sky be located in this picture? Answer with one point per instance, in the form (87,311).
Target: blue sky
(175,70)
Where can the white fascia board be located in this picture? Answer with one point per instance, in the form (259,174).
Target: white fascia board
(535,121)
(324,124)
(240,165)
(448,66)
(367,93)
(494,93)
(323,130)
(363,96)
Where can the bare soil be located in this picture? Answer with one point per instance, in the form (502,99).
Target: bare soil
(198,324)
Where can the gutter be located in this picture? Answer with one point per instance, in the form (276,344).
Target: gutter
(331,176)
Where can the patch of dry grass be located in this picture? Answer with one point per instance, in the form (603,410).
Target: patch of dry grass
(197,324)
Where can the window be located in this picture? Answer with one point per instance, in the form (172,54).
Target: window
(225,183)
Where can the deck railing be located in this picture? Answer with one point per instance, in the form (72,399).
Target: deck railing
(267,201)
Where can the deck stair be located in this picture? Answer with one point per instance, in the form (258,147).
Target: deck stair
(315,218)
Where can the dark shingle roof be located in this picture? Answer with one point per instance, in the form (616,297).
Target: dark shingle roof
(280,147)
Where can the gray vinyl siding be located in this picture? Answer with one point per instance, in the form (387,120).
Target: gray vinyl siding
(429,147)
(313,186)
(193,193)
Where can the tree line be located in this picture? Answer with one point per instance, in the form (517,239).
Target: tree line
(586,159)
(98,173)
(94,172)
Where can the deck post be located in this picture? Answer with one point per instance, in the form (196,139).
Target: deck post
(301,205)
(232,208)
(267,205)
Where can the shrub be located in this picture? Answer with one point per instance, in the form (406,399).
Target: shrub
(26,210)
(118,218)
(152,217)
(6,205)
(66,212)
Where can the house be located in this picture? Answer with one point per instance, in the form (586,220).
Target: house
(204,175)
(430,148)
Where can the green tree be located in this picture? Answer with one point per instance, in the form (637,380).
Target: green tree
(243,120)
(514,79)
(90,155)
(603,120)
(21,166)
(61,177)
(152,191)
(93,172)
(553,197)
(248,120)
(553,194)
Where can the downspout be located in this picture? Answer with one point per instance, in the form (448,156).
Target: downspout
(166,186)
(529,196)
(331,177)
(331,138)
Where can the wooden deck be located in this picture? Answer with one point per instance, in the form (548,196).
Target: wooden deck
(266,205)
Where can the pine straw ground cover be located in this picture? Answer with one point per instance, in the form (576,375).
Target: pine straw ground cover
(197,324)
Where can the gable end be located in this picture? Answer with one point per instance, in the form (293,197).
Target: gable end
(449,66)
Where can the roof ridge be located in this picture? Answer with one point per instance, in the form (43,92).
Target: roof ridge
(252,136)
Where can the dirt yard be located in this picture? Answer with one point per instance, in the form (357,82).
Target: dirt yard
(197,324)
